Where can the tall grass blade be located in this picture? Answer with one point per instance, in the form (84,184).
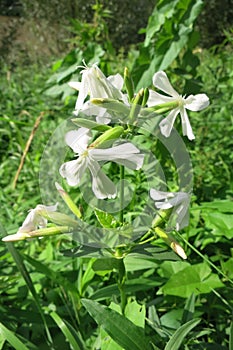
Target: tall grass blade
(179,335)
(11,338)
(68,331)
(20,264)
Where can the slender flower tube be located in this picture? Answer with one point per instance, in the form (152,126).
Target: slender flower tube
(192,102)
(35,218)
(177,200)
(125,154)
(95,84)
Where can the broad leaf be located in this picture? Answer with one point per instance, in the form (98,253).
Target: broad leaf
(120,329)
(193,279)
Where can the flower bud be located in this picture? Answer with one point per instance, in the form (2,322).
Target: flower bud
(49,231)
(90,124)
(128,84)
(71,205)
(169,240)
(112,134)
(111,105)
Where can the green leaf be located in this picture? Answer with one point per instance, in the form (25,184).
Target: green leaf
(220,223)
(193,279)
(179,335)
(120,329)
(71,336)
(87,251)
(131,286)
(231,337)
(136,313)
(224,206)
(189,309)
(89,124)
(105,219)
(105,264)
(157,19)
(11,338)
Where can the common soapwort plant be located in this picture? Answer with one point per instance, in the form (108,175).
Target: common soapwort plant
(102,145)
(117,115)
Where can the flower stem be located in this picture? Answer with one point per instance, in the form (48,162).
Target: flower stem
(122,173)
(121,283)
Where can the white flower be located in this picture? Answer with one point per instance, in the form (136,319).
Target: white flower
(192,102)
(35,220)
(95,84)
(177,200)
(124,154)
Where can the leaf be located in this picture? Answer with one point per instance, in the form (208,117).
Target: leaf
(71,336)
(105,219)
(231,337)
(179,335)
(87,251)
(105,264)
(193,279)
(220,223)
(136,313)
(157,19)
(189,309)
(224,206)
(89,124)
(11,338)
(120,329)
(131,286)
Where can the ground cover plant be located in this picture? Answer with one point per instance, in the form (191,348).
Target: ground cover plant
(93,289)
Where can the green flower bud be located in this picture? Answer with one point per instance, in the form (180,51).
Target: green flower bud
(111,105)
(129,84)
(112,134)
(90,124)
(71,205)
(49,231)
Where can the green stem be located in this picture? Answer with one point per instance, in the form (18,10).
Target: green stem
(122,174)
(121,283)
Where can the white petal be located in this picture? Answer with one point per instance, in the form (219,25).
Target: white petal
(47,207)
(161,82)
(125,154)
(156,99)
(102,116)
(102,186)
(75,85)
(197,102)
(186,126)
(160,195)
(166,124)
(83,92)
(29,223)
(73,171)
(78,139)
(116,80)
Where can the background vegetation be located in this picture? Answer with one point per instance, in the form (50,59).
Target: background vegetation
(42,282)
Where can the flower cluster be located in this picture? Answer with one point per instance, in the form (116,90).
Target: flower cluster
(96,142)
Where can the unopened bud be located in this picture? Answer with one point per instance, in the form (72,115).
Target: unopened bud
(90,124)
(112,134)
(111,105)
(129,84)
(71,205)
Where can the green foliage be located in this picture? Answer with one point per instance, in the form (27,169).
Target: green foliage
(169,31)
